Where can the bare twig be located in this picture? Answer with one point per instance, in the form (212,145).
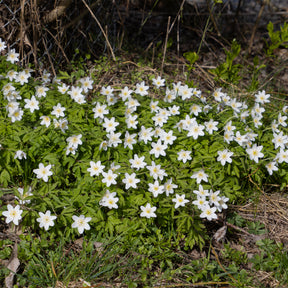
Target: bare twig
(59,45)
(49,57)
(35,17)
(22,31)
(255,26)
(212,18)
(218,261)
(176,17)
(178,41)
(207,76)
(10,236)
(169,29)
(81,15)
(165,45)
(198,284)
(243,231)
(102,30)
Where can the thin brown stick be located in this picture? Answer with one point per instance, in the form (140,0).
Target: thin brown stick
(218,261)
(49,57)
(35,31)
(22,32)
(255,26)
(239,229)
(81,15)
(176,17)
(193,284)
(59,45)
(178,41)
(213,19)
(102,30)
(207,77)
(165,45)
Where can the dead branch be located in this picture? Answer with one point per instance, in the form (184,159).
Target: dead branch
(57,11)
(81,15)
(102,30)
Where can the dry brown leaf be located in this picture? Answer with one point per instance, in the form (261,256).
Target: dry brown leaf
(12,265)
(220,234)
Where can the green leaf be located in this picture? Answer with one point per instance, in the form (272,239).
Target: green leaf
(4,178)
(192,57)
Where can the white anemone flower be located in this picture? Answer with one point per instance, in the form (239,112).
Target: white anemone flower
(74,140)
(109,178)
(12,56)
(13,214)
(211,126)
(156,171)
(141,89)
(20,155)
(184,156)
(129,140)
(22,77)
(255,152)
(81,223)
(114,139)
(43,172)
(95,168)
(2,45)
(155,188)
(208,212)
(262,98)
(15,115)
(45,120)
(180,201)
(31,104)
(200,176)
(46,220)
(224,156)
(195,130)
(138,162)
(158,82)
(169,187)
(168,137)
(158,148)
(107,91)
(271,167)
(24,195)
(201,192)
(148,211)
(100,111)
(41,91)
(109,200)
(125,93)
(58,111)
(110,124)
(130,180)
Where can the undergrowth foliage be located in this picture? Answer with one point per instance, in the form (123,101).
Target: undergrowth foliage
(130,159)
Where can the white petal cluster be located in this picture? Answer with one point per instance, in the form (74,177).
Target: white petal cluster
(152,144)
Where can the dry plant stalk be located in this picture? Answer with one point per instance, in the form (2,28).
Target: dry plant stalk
(256,25)
(22,30)
(102,30)
(165,46)
(169,29)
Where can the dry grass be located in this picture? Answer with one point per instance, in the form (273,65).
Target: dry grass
(270,209)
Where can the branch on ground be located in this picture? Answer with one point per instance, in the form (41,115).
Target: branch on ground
(57,11)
